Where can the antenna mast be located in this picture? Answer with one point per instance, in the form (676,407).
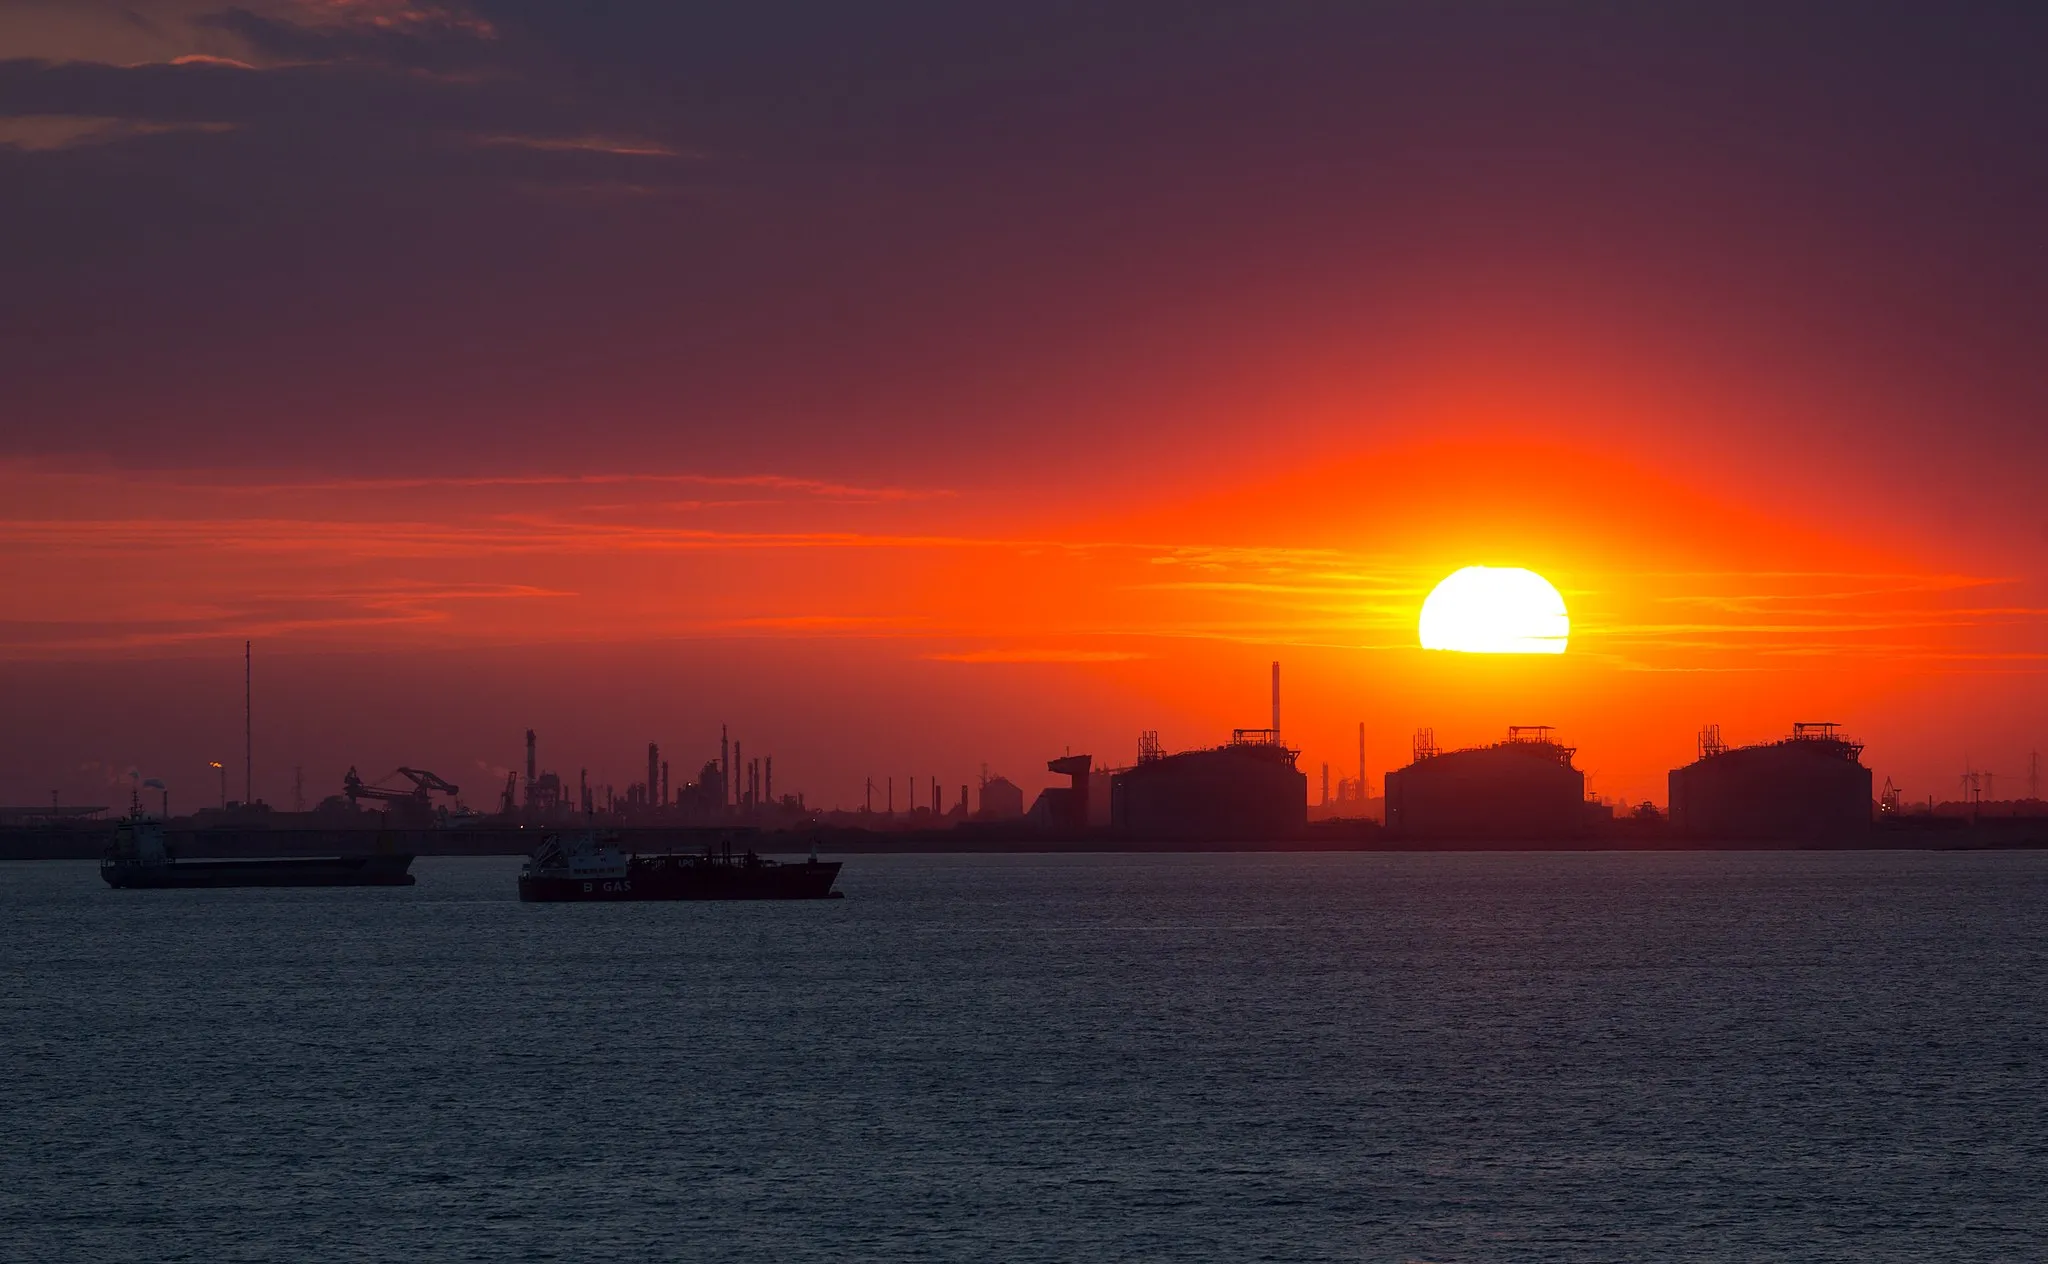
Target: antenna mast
(248,730)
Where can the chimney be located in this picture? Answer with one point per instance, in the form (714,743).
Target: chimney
(1276,700)
(530,769)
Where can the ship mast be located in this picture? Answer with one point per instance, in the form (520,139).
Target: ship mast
(248,740)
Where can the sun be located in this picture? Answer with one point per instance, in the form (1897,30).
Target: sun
(1495,610)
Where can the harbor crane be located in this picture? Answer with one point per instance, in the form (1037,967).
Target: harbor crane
(424,785)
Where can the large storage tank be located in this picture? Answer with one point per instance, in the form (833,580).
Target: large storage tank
(1514,791)
(1247,791)
(1811,787)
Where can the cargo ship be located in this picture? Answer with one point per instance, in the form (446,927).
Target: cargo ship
(139,858)
(589,866)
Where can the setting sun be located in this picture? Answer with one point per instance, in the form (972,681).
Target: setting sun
(1495,610)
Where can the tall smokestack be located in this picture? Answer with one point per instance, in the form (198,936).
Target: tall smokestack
(530,768)
(654,787)
(1361,761)
(724,768)
(248,730)
(1276,700)
(768,779)
(664,783)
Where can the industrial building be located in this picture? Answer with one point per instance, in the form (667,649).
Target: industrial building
(1519,790)
(1065,807)
(1809,787)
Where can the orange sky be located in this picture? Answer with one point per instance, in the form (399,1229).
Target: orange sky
(1153,611)
(918,386)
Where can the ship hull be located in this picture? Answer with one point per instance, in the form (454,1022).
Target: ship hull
(310,871)
(665,878)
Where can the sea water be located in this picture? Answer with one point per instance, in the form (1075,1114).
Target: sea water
(1622,1056)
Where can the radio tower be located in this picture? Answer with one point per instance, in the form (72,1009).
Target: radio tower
(248,729)
(2034,775)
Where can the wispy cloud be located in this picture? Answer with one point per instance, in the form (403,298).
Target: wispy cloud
(618,146)
(45,133)
(865,624)
(793,556)
(346,612)
(207,59)
(335,30)
(253,483)
(358,538)
(397,15)
(1047,654)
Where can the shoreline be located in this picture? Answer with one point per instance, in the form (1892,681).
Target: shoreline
(2018,834)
